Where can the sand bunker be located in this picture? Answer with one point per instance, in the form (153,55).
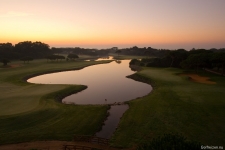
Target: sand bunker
(200,79)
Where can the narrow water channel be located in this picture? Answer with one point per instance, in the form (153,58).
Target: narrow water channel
(111,123)
(107,84)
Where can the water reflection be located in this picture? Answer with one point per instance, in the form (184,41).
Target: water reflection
(115,112)
(105,58)
(107,83)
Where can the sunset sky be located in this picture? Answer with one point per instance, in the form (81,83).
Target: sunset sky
(169,24)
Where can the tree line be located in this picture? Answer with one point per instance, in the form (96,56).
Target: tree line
(55,57)
(181,58)
(24,49)
(81,51)
(193,59)
(27,51)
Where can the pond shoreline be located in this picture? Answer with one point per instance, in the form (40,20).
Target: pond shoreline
(24,79)
(60,95)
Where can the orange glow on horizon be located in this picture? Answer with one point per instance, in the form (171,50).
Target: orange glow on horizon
(114,23)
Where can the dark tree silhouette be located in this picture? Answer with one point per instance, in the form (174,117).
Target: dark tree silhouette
(55,57)
(177,56)
(169,142)
(5,62)
(196,61)
(72,56)
(32,49)
(148,53)
(219,60)
(60,57)
(118,52)
(172,55)
(7,51)
(26,59)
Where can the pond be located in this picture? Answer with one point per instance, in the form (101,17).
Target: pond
(107,84)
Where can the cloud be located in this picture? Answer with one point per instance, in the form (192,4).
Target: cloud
(15,14)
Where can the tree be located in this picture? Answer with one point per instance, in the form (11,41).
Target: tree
(219,60)
(147,52)
(177,57)
(169,142)
(32,49)
(196,61)
(7,51)
(134,62)
(55,57)
(5,62)
(118,52)
(27,59)
(172,55)
(72,56)
(60,57)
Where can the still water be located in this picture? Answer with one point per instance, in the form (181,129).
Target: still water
(105,58)
(107,83)
(115,112)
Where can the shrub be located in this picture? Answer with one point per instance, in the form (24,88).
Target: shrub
(170,142)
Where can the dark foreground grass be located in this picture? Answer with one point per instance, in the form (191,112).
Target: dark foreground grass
(175,106)
(34,112)
(52,124)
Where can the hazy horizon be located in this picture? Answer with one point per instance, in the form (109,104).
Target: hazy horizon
(160,24)
(170,47)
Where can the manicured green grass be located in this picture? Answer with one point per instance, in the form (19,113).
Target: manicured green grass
(30,112)
(176,105)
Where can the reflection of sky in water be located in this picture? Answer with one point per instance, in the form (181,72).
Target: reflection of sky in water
(104,81)
(104,58)
(115,113)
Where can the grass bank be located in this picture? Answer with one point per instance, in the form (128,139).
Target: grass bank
(176,105)
(30,112)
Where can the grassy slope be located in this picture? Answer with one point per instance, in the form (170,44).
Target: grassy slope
(175,105)
(29,112)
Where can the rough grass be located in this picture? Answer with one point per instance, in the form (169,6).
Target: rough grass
(176,105)
(30,112)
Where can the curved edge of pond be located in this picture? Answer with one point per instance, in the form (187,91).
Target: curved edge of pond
(141,78)
(27,77)
(111,123)
(58,96)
